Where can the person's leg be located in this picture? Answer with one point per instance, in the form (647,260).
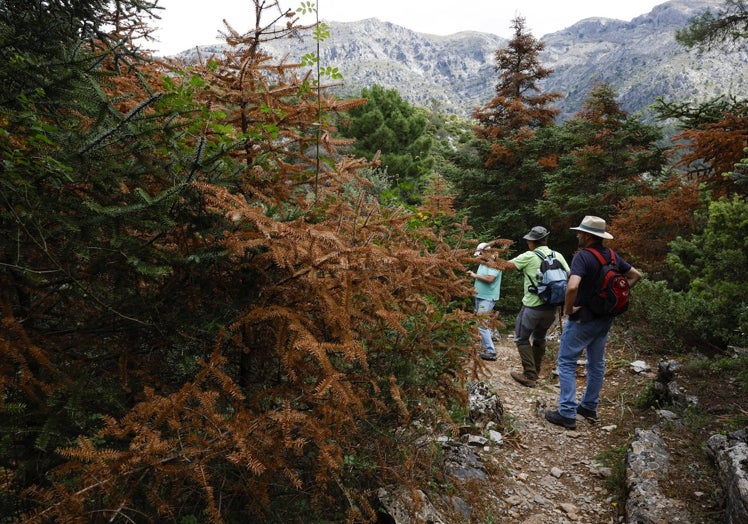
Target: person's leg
(522,331)
(568,353)
(483,308)
(543,320)
(596,364)
(575,338)
(538,352)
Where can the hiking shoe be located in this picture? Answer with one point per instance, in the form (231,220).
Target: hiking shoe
(555,418)
(523,379)
(588,414)
(488,355)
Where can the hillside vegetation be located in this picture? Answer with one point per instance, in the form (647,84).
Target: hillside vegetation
(222,303)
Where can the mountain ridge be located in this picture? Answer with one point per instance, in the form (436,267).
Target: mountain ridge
(455,73)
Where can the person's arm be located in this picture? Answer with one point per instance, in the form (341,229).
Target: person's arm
(483,278)
(633,276)
(572,289)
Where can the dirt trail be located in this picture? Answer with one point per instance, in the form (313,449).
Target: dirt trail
(543,473)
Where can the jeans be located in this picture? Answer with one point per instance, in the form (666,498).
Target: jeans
(576,337)
(484,307)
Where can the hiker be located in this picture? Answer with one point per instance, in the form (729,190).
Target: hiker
(584,329)
(535,316)
(487,288)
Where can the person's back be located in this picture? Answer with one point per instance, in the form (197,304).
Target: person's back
(535,316)
(530,263)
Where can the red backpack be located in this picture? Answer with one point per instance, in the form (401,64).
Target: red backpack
(612,291)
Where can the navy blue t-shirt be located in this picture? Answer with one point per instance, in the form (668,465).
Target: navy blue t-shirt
(586,265)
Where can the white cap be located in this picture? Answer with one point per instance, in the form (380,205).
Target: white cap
(481,247)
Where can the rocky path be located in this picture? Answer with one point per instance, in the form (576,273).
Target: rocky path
(547,474)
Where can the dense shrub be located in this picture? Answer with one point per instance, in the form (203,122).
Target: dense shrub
(710,268)
(660,315)
(704,302)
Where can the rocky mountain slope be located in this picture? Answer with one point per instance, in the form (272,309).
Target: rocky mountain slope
(641,60)
(455,73)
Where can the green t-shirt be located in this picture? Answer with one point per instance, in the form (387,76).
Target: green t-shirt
(529,263)
(485,290)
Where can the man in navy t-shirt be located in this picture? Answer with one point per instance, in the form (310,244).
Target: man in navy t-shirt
(585,330)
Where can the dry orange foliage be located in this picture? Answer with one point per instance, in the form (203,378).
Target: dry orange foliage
(645,224)
(351,326)
(713,149)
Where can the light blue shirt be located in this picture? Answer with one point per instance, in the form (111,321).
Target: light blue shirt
(485,290)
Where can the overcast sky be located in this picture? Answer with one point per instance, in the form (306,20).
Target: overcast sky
(186,23)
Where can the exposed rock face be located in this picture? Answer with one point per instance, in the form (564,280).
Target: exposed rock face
(666,388)
(461,462)
(647,463)
(730,452)
(485,404)
(540,473)
(639,59)
(648,459)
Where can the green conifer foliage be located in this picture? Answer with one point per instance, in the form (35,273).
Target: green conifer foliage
(206,315)
(389,125)
(501,191)
(595,161)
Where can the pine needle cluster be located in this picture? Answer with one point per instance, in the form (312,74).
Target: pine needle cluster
(226,325)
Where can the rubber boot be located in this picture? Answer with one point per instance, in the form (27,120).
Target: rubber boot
(529,375)
(527,356)
(538,352)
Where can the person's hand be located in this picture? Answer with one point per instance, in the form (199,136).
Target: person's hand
(471,274)
(574,309)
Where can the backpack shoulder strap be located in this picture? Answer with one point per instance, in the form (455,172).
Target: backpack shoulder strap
(533,281)
(550,257)
(599,255)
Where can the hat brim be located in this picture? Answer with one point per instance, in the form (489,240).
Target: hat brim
(534,239)
(601,234)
